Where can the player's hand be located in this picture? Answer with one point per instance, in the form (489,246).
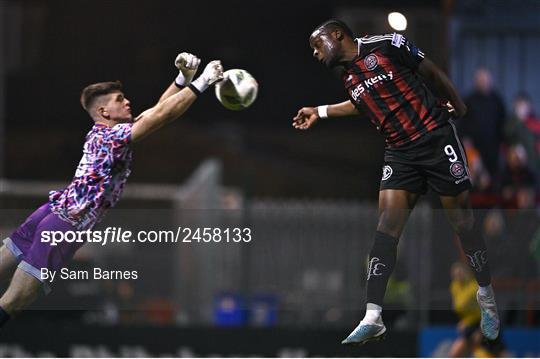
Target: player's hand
(213,72)
(305,118)
(187,64)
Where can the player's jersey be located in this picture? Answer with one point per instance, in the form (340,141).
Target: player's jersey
(383,83)
(99,179)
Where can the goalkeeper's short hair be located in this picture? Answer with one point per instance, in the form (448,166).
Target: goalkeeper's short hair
(91,92)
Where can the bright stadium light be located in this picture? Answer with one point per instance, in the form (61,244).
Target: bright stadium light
(397,21)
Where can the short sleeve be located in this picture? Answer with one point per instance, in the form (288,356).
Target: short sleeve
(406,52)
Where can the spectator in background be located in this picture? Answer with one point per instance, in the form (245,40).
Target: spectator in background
(484,122)
(523,128)
(518,180)
(522,220)
(463,289)
(534,249)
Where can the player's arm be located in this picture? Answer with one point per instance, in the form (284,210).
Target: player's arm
(171,90)
(175,105)
(443,85)
(307,116)
(408,54)
(187,65)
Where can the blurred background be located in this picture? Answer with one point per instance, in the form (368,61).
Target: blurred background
(309,198)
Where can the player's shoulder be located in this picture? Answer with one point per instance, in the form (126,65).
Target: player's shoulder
(370,39)
(104,134)
(391,39)
(120,132)
(116,129)
(122,126)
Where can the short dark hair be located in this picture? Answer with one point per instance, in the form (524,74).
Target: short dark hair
(91,92)
(334,24)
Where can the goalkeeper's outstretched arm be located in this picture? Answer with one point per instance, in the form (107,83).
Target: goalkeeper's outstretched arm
(175,105)
(187,65)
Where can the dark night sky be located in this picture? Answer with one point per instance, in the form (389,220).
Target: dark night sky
(69,44)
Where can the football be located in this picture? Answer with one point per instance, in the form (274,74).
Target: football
(238,90)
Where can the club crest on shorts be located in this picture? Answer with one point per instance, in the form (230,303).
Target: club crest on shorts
(386,172)
(457,169)
(371,61)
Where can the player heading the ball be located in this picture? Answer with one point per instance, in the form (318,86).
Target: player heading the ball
(385,77)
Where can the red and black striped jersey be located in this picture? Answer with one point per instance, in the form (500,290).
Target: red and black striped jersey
(383,83)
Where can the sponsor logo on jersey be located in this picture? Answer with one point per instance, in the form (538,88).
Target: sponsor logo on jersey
(367,84)
(457,169)
(386,172)
(371,61)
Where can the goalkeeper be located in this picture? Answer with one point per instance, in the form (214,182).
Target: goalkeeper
(98,181)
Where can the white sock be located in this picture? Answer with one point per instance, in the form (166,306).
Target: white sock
(486,291)
(373,314)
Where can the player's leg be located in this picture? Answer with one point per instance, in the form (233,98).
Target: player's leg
(448,175)
(460,214)
(19,242)
(395,207)
(27,281)
(23,290)
(14,248)
(8,263)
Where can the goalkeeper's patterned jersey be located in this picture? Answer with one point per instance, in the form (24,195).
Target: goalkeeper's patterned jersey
(382,82)
(99,179)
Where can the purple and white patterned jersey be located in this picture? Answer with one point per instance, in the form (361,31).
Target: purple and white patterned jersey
(100,177)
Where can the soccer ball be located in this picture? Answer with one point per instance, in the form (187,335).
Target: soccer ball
(238,90)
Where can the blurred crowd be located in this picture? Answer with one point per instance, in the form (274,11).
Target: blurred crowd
(503,147)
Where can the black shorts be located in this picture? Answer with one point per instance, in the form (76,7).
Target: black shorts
(436,160)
